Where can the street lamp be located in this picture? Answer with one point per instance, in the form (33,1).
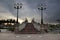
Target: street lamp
(41,7)
(18,6)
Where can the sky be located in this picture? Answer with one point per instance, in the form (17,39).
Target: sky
(30,10)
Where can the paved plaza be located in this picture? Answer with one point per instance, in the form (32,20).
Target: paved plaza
(12,36)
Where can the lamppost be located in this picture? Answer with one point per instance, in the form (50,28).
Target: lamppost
(42,27)
(41,7)
(18,6)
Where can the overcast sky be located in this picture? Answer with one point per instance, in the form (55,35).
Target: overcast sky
(29,10)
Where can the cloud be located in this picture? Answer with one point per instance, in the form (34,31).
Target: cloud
(51,14)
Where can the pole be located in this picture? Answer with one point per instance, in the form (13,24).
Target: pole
(18,6)
(17,15)
(41,16)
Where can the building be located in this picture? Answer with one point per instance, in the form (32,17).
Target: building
(28,28)
(31,28)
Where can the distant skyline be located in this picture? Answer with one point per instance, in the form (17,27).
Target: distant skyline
(29,10)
